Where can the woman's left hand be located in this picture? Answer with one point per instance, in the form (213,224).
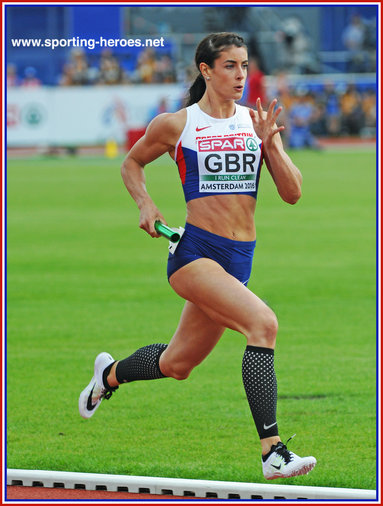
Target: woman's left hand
(264,123)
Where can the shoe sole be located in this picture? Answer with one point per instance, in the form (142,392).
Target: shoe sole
(297,472)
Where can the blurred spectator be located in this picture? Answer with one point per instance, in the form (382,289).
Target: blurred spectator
(164,71)
(330,100)
(296,55)
(66,78)
(152,68)
(146,66)
(352,116)
(370,44)
(353,34)
(318,123)
(255,85)
(301,115)
(30,78)
(354,38)
(110,69)
(281,90)
(369,111)
(12,78)
(79,69)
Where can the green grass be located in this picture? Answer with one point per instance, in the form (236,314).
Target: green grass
(82,278)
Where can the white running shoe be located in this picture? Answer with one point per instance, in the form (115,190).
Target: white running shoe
(282,463)
(91,397)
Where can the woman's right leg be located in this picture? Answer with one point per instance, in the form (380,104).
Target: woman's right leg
(229,303)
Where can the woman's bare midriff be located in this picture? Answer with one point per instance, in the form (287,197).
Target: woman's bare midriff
(230,216)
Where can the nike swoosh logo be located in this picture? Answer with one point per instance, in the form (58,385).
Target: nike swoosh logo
(89,404)
(266,427)
(203,128)
(276,467)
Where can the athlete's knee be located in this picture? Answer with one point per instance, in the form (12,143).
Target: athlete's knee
(271,325)
(177,371)
(264,331)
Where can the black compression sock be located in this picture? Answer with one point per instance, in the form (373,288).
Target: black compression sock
(260,385)
(142,365)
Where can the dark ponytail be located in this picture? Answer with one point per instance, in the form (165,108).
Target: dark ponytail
(196,90)
(208,51)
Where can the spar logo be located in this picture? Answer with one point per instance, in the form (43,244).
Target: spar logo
(222,144)
(251,144)
(234,143)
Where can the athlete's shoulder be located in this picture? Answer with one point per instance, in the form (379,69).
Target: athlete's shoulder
(166,128)
(170,123)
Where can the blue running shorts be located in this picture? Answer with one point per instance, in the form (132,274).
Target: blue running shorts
(236,257)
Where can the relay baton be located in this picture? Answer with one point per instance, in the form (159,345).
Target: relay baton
(167,232)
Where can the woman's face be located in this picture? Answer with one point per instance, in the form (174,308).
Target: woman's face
(229,73)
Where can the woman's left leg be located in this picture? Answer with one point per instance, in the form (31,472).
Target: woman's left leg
(195,337)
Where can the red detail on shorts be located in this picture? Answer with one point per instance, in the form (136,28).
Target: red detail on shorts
(181,163)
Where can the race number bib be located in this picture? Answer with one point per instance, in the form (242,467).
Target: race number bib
(228,163)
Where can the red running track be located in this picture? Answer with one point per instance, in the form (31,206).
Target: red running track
(16,492)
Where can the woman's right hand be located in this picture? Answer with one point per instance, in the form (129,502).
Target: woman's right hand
(149,214)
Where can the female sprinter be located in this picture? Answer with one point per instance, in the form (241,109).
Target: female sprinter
(218,146)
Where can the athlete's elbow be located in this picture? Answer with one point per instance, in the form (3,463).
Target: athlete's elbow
(295,196)
(292,196)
